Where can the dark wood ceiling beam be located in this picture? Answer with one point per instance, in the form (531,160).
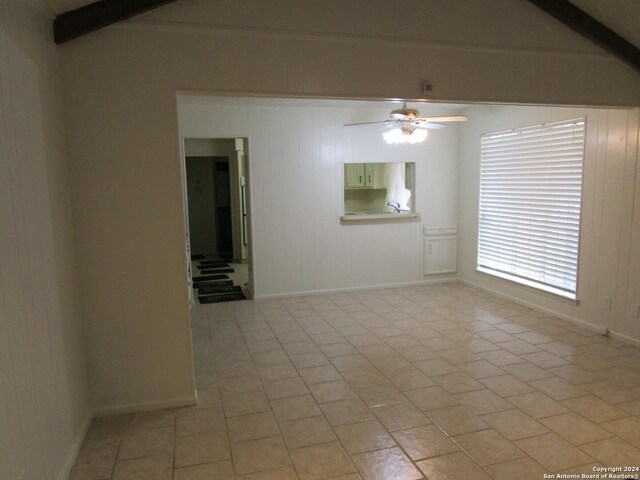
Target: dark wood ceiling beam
(587,26)
(81,21)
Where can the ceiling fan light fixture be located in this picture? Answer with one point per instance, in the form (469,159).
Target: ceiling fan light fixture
(396,135)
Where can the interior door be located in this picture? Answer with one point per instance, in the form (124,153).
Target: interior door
(185,206)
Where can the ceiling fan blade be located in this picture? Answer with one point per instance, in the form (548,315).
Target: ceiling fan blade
(367,123)
(428,125)
(446,118)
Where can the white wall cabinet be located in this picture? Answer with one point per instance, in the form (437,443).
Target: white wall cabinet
(359,175)
(439,249)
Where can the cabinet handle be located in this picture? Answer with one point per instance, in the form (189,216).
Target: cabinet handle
(360,178)
(369,178)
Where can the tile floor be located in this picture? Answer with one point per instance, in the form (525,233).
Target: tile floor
(438,382)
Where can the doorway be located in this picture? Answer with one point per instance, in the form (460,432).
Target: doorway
(217,213)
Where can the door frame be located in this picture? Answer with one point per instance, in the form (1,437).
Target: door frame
(185,207)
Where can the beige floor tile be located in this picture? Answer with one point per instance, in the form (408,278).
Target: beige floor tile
(400,415)
(159,467)
(521,469)
(624,376)
(209,399)
(488,447)
(376,395)
(456,420)
(575,374)
(285,473)
(575,428)
(507,385)
(332,391)
(364,437)
(424,442)
(271,373)
(361,377)
(104,432)
(430,398)
(456,466)
(386,464)
(553,452)
(270,358)
(626,428)
(632,407)
(587,469)
(201,448)
(410,379)
(501,357)
(290,387)
(537,405)
(321,374)
(514,424)
(613,452)
(152,419)
(243,384)
(94,464)
(557,388)
(343,412)
(595,409)
(321,461)
(306,431)
(208,471)
(259,455)
(459,355)
(144,443)
(519,347)
(436,366)
(338,349)
(306,360)
(198,420)
(245,404)
(252,427)
(611,392)
(527,371)
(457,383)
(482,402)
(481,369)
(292,408)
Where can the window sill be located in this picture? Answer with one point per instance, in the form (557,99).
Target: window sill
(378,216)
(541,289)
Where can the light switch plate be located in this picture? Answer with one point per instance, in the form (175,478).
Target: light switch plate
(634,310)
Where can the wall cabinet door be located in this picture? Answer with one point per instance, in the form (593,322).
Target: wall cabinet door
(354,175)
(369,175)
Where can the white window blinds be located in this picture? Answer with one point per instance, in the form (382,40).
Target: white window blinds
(530,193)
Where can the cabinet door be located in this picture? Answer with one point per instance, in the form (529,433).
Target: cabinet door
(440,255)
(432,254)
(369,175)
(449,250)
(354,175)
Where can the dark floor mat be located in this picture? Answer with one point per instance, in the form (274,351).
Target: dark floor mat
(213,289)
(204,278)
(212,265)
(198,257)
(212,283)
(217,270)
(223,297)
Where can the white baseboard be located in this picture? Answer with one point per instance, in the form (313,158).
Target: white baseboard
(445,279)
(568,318)
(75,448)
(144,407)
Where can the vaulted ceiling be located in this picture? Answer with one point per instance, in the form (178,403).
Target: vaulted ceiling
(620,16)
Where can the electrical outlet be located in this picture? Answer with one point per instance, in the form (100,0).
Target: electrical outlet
(634,310)
(427,88)
(606,303)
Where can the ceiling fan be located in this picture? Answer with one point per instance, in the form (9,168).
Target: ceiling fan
(407,126)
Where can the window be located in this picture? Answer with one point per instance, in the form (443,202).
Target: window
(530,194)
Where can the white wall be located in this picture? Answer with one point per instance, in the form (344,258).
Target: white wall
(43,390)
(120,104)
(296,155)
(609,263)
